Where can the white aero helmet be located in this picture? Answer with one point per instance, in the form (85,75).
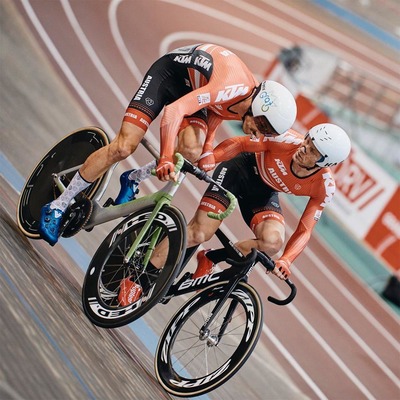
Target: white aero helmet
(274,101)
(332,142)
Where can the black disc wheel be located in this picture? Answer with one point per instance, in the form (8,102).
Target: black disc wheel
(67,155)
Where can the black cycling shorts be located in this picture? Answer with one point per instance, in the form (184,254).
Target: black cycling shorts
(240,176)
(168,80)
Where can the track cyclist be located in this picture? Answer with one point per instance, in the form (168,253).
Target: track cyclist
(198,86)
(255,172)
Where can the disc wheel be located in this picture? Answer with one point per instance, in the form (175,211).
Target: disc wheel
(40,189)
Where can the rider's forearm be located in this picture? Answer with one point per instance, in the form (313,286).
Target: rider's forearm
(231,147)
(214,122)
(228,149)
(167,142)
(208,144)
(297,243)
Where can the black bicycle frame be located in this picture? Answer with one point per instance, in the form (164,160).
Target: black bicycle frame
(240,269)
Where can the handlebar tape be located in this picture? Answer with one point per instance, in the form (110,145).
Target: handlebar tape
(185,165)
(228,211)
(292,295)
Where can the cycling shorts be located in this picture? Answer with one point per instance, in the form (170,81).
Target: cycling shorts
(258,201)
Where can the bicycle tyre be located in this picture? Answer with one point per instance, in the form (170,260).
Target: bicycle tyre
(39,188)
(179,364)
(106,270)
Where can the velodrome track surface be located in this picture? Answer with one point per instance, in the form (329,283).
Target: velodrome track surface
(337,341)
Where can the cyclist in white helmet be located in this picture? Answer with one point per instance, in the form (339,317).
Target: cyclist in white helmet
(198,87)
(332,142)
(255,171)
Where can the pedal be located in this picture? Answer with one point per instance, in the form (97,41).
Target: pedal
(77,217)
(109,202)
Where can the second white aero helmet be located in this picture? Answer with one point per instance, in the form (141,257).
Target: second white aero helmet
(275,102)
(332,142)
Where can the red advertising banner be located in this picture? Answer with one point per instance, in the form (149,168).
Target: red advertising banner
(384,235)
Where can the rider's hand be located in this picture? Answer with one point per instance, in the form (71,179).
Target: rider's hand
(281,269)
(207,161)
(165,169)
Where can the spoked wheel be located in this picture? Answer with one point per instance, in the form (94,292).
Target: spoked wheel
(190,362)
(109,275)
(68,154)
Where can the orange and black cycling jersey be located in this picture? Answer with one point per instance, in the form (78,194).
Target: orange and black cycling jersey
(274,165)
(203,80)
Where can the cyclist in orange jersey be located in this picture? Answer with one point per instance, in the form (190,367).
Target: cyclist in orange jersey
(257,170)
(198,87)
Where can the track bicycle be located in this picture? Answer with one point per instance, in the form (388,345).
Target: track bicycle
(128,248)
(213,333)
(224,316)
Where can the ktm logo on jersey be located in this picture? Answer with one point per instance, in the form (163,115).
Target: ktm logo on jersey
(287,137)
(183,59)
(232,91)
(330,188)
(281,166)
(203,62)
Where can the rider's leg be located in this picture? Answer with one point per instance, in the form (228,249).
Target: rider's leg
(270,235)
(189,145)
(100,161)
(200,229)
(124,144)
(95,165)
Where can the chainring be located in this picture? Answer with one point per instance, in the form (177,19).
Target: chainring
(76,217)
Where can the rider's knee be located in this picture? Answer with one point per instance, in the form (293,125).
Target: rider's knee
(191,151)
(270,242)
(127,140)
(120,151)
(197,235)
(200,237)
(191,154)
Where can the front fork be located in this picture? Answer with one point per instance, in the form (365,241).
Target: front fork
(165,199)
(205,330)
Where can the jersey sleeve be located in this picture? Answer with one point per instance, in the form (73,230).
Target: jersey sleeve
(300,237)
(231,147)
(323,193)
(172,120)
(214,121)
